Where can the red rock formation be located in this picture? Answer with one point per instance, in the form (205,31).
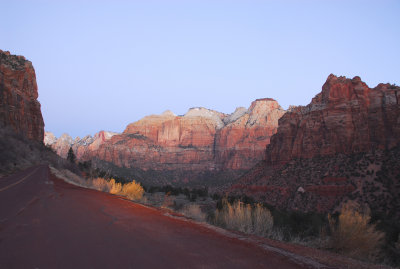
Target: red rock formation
(346,117)
(201,140)
(343,145)
(19,107)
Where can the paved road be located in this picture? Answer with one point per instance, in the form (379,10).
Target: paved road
(47,223)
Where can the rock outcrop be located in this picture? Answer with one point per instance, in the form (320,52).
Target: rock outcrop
(343,145)
(200,141)
(19,107)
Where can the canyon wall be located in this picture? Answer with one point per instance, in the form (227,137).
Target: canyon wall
(346,117)
(19,107)
(343,145)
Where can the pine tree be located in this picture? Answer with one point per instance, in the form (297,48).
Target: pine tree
(71,155)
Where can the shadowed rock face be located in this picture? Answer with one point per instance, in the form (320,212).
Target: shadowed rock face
(343,145)
(19,107)
(346,117)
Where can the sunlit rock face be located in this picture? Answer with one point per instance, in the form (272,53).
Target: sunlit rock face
(343,145)
(19,107)
(240,144)
(60,145)
(202,139)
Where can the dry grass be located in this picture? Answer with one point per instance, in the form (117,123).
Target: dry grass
(194,211)
(245,218)
(131,190)
(353,235)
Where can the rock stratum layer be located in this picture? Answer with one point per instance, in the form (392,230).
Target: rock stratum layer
(343,145)
(19,107)
(196,145)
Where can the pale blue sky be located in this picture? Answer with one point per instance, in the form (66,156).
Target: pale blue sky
(101,65)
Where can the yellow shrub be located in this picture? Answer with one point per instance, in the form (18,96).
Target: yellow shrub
(132,190)
(115,188)
(353,235)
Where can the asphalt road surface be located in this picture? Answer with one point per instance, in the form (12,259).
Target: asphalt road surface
(47,223)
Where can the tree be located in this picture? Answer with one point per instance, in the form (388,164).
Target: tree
(71,155)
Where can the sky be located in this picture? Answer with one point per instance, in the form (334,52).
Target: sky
(101,65)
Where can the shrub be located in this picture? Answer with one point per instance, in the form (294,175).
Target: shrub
(244,217)
(115,188)
(353,234)
(132,190)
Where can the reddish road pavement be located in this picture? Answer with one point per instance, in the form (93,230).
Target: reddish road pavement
(47,223)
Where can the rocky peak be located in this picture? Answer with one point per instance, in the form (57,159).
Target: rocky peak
(87,140)
(264,111)
(104,135)
(168,113)
(49,138)
(238,113)
(339,89)
(66,138)
(206,113)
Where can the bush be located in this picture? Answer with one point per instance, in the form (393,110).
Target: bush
(353,234)
(244,217)
(132,190)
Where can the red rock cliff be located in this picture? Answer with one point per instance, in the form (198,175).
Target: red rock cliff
(202,139)
(346,117)
(19,107)
(343,145)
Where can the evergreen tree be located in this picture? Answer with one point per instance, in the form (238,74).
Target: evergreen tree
(71,155)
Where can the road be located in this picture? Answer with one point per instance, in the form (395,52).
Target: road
(48,223)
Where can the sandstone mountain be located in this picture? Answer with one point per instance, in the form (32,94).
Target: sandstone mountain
(19,108)
(201,145)
(343,145)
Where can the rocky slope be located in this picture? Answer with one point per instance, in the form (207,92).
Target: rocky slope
(344,144)
(201,144)
(19,108)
